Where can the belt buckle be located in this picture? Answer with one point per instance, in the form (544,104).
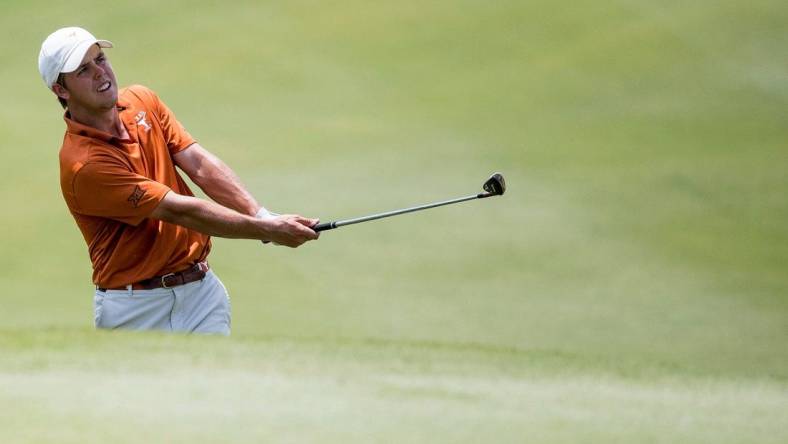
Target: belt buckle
(163,283)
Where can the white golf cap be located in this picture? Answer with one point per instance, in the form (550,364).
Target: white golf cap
(63,51)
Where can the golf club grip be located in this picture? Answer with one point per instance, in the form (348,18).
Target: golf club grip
(324,226)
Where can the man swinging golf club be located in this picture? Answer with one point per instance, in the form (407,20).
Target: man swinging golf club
(148,236)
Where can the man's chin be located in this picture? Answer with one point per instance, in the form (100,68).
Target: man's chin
(107,100)
(111,95)
(114,100)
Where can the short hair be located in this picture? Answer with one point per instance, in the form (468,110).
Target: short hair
(61,80)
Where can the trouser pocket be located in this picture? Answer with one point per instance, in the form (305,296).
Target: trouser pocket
(98,306)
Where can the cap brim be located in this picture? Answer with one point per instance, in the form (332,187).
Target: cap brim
(75,58)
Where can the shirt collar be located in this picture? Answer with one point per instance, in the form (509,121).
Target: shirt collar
(74,127)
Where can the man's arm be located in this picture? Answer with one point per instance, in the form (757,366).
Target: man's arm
(215,220)
(216,179)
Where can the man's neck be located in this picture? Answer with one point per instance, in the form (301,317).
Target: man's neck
(107,121)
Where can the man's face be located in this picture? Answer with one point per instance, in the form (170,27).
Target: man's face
(92,86)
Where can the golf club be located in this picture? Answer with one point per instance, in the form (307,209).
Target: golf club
(494,186)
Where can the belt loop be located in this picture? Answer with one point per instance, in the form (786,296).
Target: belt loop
(128,288)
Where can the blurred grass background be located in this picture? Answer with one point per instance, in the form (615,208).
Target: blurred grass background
(631,285)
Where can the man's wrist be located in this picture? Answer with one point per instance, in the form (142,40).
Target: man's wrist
(263,213)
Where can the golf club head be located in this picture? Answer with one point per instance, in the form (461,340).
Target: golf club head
(495,185)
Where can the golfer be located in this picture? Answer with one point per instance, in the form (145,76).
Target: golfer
(147,235)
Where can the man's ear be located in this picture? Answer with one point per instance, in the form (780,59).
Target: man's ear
(60,91)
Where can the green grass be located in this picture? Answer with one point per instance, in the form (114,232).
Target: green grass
(630,287)
(180,389)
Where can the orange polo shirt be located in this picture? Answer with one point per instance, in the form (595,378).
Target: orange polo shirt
(112,185)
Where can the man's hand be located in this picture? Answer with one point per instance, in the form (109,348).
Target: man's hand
(291,230)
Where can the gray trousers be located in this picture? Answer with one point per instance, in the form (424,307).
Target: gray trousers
(197,307)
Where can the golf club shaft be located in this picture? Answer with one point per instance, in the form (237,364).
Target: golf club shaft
(341,223)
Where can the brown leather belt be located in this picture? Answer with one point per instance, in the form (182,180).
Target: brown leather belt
(195,273)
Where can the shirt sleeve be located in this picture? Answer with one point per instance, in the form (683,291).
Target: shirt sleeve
(175,135)
(178,139)
(109,189)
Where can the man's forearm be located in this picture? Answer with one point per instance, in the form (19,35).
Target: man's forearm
(209,218)
(217,180)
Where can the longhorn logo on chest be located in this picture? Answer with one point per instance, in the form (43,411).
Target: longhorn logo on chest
(140,119)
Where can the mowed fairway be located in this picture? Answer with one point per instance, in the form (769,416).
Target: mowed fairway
(631,286)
